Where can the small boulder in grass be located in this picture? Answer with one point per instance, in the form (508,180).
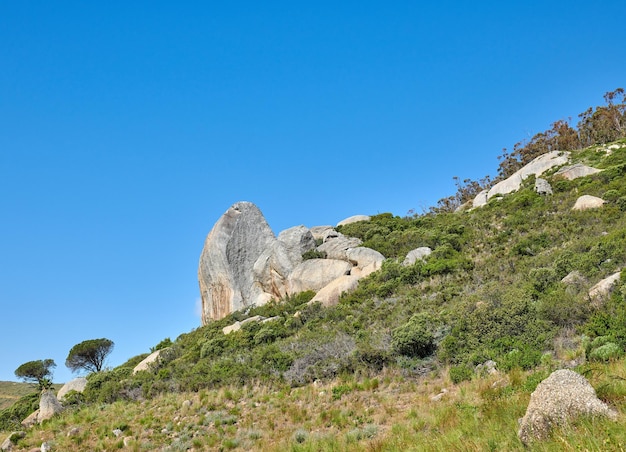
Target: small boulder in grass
(559,399)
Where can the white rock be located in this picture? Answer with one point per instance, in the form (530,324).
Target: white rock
(480,199)
(586,202)
(48,406)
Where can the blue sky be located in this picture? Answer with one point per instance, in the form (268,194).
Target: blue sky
(128,128)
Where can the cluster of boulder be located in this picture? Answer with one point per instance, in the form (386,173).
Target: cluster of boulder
(244,264)
(536,168)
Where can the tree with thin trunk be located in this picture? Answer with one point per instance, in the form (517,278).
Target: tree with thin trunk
(89,355)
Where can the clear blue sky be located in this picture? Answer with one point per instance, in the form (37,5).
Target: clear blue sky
(128,128)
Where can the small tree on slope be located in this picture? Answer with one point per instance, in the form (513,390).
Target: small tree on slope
(39,372)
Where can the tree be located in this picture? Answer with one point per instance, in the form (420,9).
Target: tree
(39,372)
(89,355)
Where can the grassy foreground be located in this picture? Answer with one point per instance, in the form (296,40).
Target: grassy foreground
(385,413)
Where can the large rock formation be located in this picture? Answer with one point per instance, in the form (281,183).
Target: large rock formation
(561,397)
(244,264)
(225,272)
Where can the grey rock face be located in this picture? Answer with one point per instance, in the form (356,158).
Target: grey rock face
(297,240)
(276,262)
(48,406)
(561,397)
(337,246)
(575,171)
(542,187)
(225,272)
(77,384)
(480,199)
(319,232)
(416,254)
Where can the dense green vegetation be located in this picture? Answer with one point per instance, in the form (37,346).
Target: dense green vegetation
(491,289)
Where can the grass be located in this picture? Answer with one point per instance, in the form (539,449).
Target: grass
(393,414)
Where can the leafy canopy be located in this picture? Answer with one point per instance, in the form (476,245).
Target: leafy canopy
(39,371)
(89,355)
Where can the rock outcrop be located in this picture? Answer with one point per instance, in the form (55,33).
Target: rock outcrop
(225,272)
(599,292)
(336,245)
(243,264)
(575,171)
(48,406)
(77,384)
(542,187)
(417,254)
(586,202)
(537,167)
(561,397)
(513,183)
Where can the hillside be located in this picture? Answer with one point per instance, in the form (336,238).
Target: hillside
(11,391)
(396,364)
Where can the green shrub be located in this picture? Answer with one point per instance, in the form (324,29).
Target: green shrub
(314,254)
(414,338)
(606,352)
(460,373)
